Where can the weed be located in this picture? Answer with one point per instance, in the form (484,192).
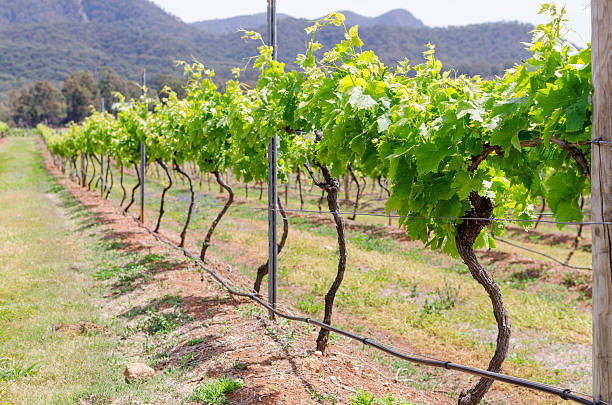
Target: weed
(285,338)
(194,342)
(309,305)
(571,279)
(458,268)
(161,323)
(323,397)
(443,299)
(363,398)
(214,392)
(367,398)
(237,364)
(16,369)
(249,310)
(188,361)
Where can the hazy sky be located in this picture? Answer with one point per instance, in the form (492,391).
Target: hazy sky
(431,12)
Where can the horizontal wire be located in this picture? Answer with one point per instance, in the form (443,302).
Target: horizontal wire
(541,254)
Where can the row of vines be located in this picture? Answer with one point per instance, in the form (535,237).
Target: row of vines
(457,151)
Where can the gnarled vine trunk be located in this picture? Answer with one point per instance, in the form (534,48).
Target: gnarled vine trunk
(262,270)
(93,176)
(299,183)
(541,214)
(112,178)
(383,187)
(122,186)
(469,230)
(163,195)
(191,203)
(229,202)
(356,206)
(578,235)
(134,189)
(331,186)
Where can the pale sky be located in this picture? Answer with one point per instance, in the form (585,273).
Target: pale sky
(432,12)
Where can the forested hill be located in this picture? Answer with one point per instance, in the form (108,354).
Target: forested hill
(393,18)
(48,39)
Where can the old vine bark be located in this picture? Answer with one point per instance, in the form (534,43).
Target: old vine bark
(331,186)
(358,194)
(122,186)
(134,189)
(191,204)
(229,202)
(262,270)
(469,230)
(163,195)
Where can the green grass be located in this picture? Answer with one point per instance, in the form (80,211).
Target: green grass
(214,392)
(50,250)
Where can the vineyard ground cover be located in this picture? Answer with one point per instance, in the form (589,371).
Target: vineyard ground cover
(47,256)
(206,335)
(384,276)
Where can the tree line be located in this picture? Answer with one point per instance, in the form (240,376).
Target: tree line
(44,103)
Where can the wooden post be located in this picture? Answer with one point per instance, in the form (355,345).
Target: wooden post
(601,198)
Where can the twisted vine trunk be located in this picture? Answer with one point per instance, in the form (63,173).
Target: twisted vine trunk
(469,230)
(260,190)
(332,187)
(262,270)
(578,235)
(383,187)
(191,203)
(163,196)
(134,189)
(299,182)
(354,178)
(93,176)
(541,214)
(101,173)
(112,178)
(76,170)
(229,202)
(122,186)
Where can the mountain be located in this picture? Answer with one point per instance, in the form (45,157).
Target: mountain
(394,18)
(49,39)
(232,24)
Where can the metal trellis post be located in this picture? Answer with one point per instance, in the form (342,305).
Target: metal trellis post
(143,163)
(102,158)
(272,182)
(143,158)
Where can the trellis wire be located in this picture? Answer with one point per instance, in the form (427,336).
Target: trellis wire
(541,254)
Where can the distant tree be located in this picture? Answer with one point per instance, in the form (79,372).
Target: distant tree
(41,103)
(81,92)
(110,83)
(172,82)
(132,90)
